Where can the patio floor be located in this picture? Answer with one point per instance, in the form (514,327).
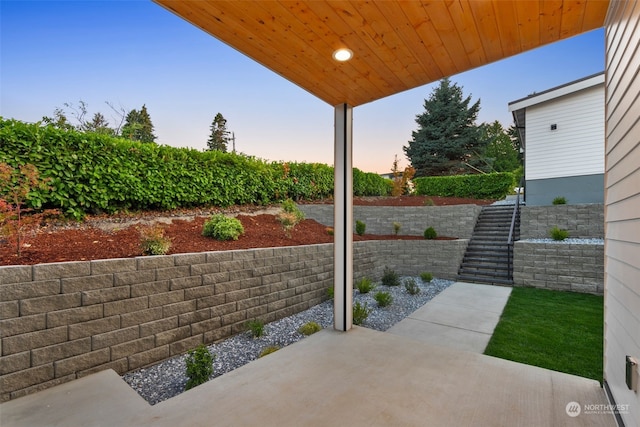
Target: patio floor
(359,378)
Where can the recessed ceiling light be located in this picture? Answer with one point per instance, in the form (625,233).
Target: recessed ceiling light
(343,54)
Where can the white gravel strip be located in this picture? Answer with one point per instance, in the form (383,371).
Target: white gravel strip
(167,379)
(569,241)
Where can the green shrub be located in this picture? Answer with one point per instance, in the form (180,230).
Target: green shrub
(290,206)
(426,276)
(90,172)
(222,227)
(558,233)
(430,233)
(360,227)
(396,228)
(364,285)
(484,186)
(411,286)
(199,364)
(429,202)
(360,313)
(330,292)
(383,298)
(256,326)
(560,200)
(309,328)
(153,241)
(268,350)
(390,277)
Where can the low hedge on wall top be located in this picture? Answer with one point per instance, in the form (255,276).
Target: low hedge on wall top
(488,186)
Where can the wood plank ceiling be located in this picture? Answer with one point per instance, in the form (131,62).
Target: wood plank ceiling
(397,45)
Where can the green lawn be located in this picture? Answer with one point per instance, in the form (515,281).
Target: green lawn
(556,330)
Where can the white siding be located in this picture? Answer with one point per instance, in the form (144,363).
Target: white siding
(576,147)
(622,202)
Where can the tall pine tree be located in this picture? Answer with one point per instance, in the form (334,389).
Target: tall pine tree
(447,136)
(138,126)
(219,137)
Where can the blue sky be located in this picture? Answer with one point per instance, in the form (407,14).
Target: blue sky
(131,53)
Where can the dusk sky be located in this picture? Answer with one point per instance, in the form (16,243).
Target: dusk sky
(131,53)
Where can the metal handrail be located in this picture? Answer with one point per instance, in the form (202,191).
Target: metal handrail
(512,229)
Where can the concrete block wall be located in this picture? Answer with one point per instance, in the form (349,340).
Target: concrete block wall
(560,266)
(452,221)
(63,321)
(584,221)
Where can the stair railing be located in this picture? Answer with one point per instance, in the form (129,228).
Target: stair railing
(514,217)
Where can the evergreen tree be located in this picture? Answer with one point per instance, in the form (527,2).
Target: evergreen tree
(447,136)
(219,137)
(138,126)
(98,124)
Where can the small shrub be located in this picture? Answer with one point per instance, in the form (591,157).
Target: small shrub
(360,227)
(426,276)
(153,241)
(365,285)
(329,231)
(560,200)
(411,286)
(222,227)
(360,313)
(199,366)
(268,350)
(290,206)
(396,228)
(430,233)
(288,221)
(429,202)
(309,328)
(390,277)
(256,326)
(330,292)
(383,298)
(558,233)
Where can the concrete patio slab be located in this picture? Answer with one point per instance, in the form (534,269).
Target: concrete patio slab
(358,378)
(462,317)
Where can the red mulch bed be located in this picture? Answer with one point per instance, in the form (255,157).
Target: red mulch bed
(88,240)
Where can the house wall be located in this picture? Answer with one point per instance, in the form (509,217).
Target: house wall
(63,321)
(622,202)
(575,148)
(568,161)
(576,189)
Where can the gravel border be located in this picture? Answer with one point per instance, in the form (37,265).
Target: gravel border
(568,241)
(167,379)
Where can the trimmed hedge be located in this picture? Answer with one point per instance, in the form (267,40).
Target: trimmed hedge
(489,186)
(91,173)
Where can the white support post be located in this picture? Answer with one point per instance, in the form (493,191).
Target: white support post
(343,219)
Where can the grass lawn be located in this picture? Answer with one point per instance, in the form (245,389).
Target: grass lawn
(562,331)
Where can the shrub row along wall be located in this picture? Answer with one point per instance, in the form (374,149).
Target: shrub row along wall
(63,321)
(453,221)
(561,266)
(584,221)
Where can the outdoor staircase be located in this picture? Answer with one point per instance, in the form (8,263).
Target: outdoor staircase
(488,255)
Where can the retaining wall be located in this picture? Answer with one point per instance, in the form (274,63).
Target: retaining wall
(583,221)
(561,266)
(453,221)
(63,321)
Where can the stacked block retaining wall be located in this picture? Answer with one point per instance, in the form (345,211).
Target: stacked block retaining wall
(583,221)
(560,266)
(63,321)
(452,221)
